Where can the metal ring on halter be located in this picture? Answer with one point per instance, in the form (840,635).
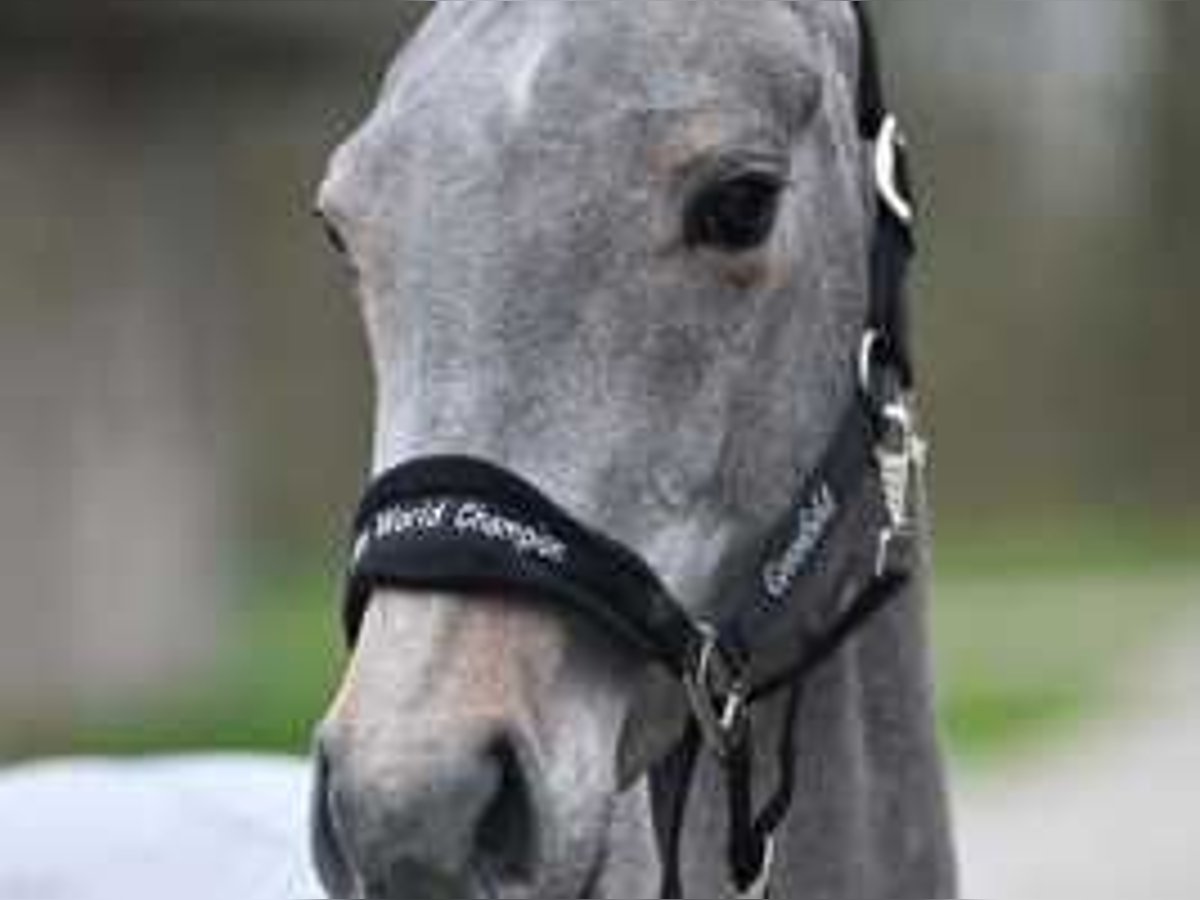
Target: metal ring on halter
(899,415)
(887,165)
(717,695)
(872,340)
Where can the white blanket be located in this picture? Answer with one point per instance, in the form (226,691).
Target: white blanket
(199,827)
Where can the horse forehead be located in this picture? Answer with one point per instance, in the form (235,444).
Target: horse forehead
(483,79)
(515,63)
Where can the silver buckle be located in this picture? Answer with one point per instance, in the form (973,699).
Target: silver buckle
(888,145)
(902,455)
(866,360)
(717,695)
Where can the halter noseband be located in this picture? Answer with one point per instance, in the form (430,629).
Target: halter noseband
(465,525)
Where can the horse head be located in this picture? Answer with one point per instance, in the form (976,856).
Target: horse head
(621,249)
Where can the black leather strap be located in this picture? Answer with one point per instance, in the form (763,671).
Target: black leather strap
(893,242)
(455,523)
(872,104)
(797,547)
(669,793)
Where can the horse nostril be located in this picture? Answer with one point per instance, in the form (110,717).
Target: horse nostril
(507,839)
(426,817)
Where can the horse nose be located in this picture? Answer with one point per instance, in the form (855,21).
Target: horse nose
(439,816)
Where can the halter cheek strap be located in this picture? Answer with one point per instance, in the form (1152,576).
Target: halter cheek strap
(468,526)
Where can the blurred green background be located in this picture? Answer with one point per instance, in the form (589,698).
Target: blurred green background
(185,402)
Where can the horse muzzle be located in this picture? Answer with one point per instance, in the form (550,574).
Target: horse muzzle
(444,816)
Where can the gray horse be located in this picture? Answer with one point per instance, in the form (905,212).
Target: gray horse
(620,248)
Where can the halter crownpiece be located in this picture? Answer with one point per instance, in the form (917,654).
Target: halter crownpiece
(468,526)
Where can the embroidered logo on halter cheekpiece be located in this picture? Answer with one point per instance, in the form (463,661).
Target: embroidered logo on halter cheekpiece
(812,524)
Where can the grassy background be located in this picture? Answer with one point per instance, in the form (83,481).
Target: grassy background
(1031,625)
(1034,625)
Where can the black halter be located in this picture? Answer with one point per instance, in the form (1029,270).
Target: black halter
(465,525)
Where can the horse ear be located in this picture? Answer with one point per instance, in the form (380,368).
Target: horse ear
(655,725)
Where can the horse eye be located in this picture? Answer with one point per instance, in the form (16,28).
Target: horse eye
(735,214)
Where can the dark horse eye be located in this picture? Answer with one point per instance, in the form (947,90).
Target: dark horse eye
(736,213)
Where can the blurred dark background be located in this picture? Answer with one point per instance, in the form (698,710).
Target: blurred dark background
(185,402)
